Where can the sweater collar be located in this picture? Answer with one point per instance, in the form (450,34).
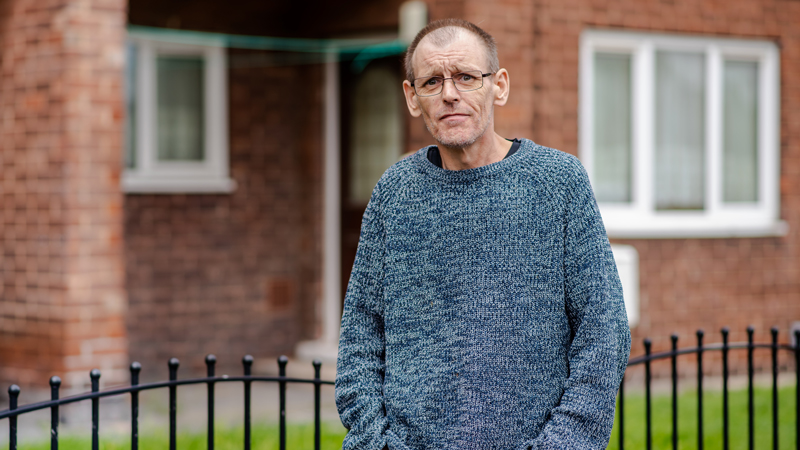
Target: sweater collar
(469,175)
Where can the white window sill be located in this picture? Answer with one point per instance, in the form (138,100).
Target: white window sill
(665,230)
(143,185)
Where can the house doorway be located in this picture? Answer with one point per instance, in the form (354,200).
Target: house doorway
(373,124)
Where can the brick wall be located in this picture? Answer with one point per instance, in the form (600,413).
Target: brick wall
(688,284)
(62,297)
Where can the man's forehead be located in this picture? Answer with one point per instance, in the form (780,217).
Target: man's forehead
(449,45)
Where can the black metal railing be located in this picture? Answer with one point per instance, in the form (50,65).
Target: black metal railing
(725,347)
(210,380)
(247,379)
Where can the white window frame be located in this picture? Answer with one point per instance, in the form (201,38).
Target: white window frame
(149,175)
(639,218)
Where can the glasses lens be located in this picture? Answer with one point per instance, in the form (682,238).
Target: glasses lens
(468,81)
(428,85)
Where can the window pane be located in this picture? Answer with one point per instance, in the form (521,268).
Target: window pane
(680,130)
(130,106)
(612,127)
(375,130)
(740,162)
(180,108)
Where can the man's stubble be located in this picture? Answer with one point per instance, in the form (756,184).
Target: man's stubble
(462,143)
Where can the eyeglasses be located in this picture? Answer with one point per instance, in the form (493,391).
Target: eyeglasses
(464,82)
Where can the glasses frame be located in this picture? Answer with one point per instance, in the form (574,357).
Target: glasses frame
(483,75)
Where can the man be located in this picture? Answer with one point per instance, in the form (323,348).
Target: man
(484,310)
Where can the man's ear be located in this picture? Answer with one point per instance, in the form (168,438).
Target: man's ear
(411,99)
(501,87)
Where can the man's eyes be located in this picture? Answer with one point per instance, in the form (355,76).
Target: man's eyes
(459,77)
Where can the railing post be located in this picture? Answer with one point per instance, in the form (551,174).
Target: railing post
(648,417)
(211,361)
(674,360)
(797,386)
(135,369)
(13,397)
(317,420)
(774,332)
(282,360)
(700,334)
(247,362)
(750,418)
(173,402)
(55,383)
(725,429)
(622,413)
(94,375)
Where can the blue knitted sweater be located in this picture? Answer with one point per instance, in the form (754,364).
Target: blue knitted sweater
(484,310)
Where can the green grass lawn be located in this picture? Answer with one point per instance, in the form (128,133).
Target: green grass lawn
(712,420)
(301,436)
(298,436)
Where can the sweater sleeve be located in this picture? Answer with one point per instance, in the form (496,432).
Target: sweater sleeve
(361,362)
(600,346)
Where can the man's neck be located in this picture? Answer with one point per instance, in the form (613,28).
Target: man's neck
(482,153)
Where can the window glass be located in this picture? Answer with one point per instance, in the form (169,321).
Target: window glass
(740,136)
(130,106)
(375,130)
(612,127)
(680,130)
(180,108)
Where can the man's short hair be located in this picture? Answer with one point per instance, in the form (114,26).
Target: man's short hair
(446,31)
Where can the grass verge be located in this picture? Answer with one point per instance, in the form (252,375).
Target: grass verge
(264,437)
(635,430)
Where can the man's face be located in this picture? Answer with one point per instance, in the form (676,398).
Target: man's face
(455,119)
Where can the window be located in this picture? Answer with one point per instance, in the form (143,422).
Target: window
(680,135)
(176,104)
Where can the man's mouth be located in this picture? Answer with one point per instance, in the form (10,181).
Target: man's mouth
(451,115)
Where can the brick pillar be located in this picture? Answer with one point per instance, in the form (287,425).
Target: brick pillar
(62,295)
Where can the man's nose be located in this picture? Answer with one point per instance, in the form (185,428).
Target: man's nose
(449,91)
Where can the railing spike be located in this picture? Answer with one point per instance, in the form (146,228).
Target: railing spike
(94,375)
(13,397)
(648,405)
(247,362)
(211,362)
(700,333)
(317,418)
(674,364)
(282,361)
(55,383)
(750,403)
(136,368)
(774,333)
(797,386)
(173,365)
(725,419)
